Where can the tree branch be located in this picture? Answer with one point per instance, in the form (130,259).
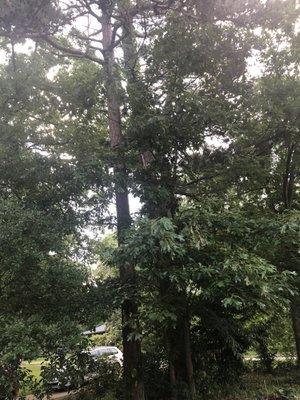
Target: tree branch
(71,51)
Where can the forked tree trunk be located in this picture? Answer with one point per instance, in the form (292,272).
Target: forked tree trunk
(134,389)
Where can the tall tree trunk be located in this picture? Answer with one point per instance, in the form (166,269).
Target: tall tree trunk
(134,388)
(138,101)
(287,195)
(188,356)
(295,310)
(288,179)
(173,380)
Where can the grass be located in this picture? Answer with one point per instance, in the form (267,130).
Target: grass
(251,386)
(283,385)
(34,368)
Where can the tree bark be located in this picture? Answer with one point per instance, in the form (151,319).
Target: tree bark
(188,357)
(295,310)
(287,194)
(172,369)
(288,180)
(134,388)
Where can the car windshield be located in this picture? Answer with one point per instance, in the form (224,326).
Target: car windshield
(103,351)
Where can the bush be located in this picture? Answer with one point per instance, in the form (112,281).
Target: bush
(107,382)
(156,377)
(218,348)
(286,394)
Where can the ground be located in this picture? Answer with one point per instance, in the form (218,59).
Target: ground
(34,366)
(283,384)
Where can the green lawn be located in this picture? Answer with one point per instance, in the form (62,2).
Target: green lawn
(35,370)
(34,367)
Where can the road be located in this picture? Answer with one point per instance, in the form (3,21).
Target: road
(277,358)
(56,396)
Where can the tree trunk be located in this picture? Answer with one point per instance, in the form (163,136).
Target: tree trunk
(138,103)
(134,388)
(296,325)
(287,194)
(188,357)
(172,369)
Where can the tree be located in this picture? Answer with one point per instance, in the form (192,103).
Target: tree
(182,99)
(218,278)
(192,86)
(44,291)
(46,21)
(268,177)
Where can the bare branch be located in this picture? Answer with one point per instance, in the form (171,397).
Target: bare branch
(87,5)
(71,51)
(46,38)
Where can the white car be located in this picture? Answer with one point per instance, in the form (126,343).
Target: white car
(112,353)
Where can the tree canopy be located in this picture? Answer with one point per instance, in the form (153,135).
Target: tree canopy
(102,101)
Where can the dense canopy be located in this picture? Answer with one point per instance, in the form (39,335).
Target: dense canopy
(149,180)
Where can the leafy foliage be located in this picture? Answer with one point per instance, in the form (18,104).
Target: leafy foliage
(216,245)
